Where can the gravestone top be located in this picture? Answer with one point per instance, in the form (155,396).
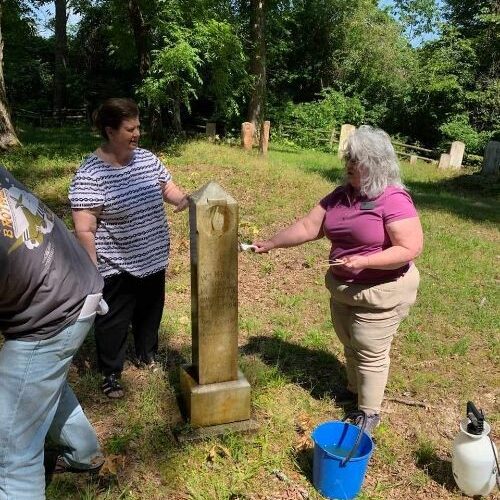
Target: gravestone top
(210,194)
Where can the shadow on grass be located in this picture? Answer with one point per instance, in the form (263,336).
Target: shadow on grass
(317,371)
(304,459)
(284,149)
(470,196)
(334,175)
(438,469)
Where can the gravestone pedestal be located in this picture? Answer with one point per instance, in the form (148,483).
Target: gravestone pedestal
(214,404)
(214,391)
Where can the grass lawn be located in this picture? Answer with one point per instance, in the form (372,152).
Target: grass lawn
(446,353)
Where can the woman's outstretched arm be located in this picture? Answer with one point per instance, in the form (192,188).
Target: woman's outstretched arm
(307,228)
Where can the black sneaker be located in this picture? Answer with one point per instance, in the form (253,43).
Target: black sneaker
(372,422)
(62,466)
(111,386)
(361,419)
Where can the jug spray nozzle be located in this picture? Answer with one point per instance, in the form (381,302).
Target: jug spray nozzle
(476,419)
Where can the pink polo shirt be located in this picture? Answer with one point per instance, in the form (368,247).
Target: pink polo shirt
(357,226)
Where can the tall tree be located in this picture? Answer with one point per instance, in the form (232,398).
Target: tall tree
(417,16)
(142,38)
(8,137)
(60,55)
(256,106)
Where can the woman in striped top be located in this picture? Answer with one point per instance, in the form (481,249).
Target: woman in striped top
(117,198)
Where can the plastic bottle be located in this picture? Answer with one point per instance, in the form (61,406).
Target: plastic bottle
(474,461)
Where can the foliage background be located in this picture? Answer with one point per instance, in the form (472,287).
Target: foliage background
(328,61)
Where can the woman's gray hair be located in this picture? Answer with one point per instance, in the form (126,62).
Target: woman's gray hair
(372,151)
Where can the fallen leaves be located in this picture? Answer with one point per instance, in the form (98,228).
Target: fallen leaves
(303,427)
(216,451)
(113,464)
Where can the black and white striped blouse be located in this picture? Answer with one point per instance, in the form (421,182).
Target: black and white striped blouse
(132,232)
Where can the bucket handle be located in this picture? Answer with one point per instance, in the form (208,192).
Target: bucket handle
(355,415)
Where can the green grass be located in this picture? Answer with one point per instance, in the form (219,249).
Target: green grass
(446,352)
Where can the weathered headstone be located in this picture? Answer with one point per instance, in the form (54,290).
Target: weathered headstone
(264,137)
(413,159)
(214,390)
(345,131)
(457,151)
(491,160)
(247,132)
(444,160)
(210,129)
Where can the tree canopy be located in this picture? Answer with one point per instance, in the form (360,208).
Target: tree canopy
(189,61)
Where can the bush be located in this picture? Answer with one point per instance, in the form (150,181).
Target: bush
(458,128)
(321,117)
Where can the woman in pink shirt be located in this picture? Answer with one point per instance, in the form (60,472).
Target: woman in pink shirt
(375,233)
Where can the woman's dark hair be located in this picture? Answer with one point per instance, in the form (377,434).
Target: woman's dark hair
(112,112)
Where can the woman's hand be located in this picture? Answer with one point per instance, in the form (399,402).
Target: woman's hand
(263,246)
(356,261)
(183,204)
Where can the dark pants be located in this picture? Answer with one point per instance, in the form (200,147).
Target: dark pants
(131,300)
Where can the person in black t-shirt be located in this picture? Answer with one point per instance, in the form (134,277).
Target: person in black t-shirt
(50,292)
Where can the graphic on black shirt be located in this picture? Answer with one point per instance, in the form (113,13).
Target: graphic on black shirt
(45,274)
(23,218)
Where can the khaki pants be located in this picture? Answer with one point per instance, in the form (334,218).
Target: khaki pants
(366,318)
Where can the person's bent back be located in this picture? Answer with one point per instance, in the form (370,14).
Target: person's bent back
(49,294)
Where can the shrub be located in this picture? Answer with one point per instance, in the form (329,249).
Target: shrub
(458,128)
(320,117)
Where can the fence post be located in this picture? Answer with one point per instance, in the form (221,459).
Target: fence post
(264,137)
(247,135)
(332,137)
(345,131)
(456,154)
(210,128)
(413,159)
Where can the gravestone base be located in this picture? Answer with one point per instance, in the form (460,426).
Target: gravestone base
(214,404)
(195,435)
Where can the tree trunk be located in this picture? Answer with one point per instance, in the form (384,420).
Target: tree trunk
(60,51)
(141,37)
(257,102)
(8,137)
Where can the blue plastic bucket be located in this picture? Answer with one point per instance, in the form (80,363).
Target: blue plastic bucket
(336,475)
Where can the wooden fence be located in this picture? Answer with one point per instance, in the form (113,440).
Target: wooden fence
(49,117)
(329,139)
(303,136)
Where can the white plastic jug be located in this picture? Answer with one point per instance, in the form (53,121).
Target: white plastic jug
(474,457)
